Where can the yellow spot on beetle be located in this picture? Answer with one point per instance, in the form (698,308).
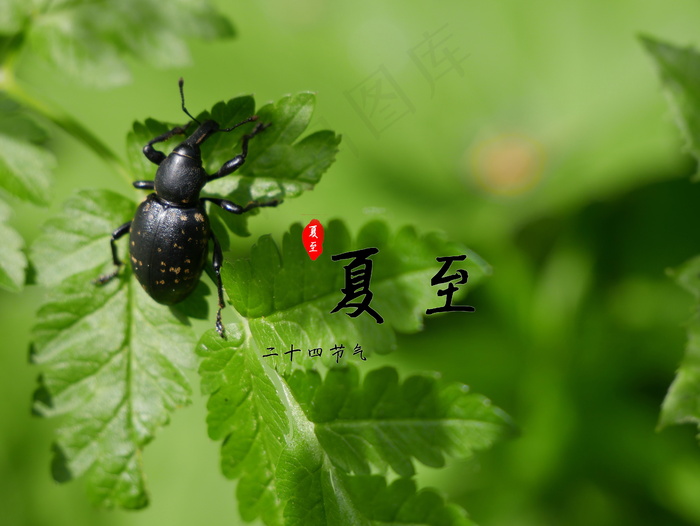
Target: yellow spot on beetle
(199,217)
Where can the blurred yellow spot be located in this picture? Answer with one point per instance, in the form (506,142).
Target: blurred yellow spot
(506,164)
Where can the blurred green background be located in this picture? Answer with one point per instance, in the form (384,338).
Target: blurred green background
(534,132)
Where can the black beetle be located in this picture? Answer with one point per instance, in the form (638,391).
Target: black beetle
(170,231)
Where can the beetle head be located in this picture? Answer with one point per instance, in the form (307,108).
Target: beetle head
(207,128)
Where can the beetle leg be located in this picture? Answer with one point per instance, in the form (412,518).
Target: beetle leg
(144,185)
(119,232)
(232,207)
(156,156)
(234,164)
(217,261)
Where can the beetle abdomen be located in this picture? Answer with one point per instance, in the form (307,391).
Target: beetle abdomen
(168,248)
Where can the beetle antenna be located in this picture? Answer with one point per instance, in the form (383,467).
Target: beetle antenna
(245,121)
(181,83)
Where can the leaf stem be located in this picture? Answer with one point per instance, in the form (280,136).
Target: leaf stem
(9,85)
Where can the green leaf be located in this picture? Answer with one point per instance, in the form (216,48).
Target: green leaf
(682,402)
(244,412)
(276,167)
(400,503)
(78,238)
(318,490)
(286,299)
(278,164)
(293,466)
(13,262)
(421,418)
(278,159)
(112,359)
(91,39)
(12,15)
(679,69)
(334,426)
(312,489)
(25,164)
(317,493)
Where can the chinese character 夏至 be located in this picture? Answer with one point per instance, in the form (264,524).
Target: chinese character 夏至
(358,274)
(459,278)
(312,237)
